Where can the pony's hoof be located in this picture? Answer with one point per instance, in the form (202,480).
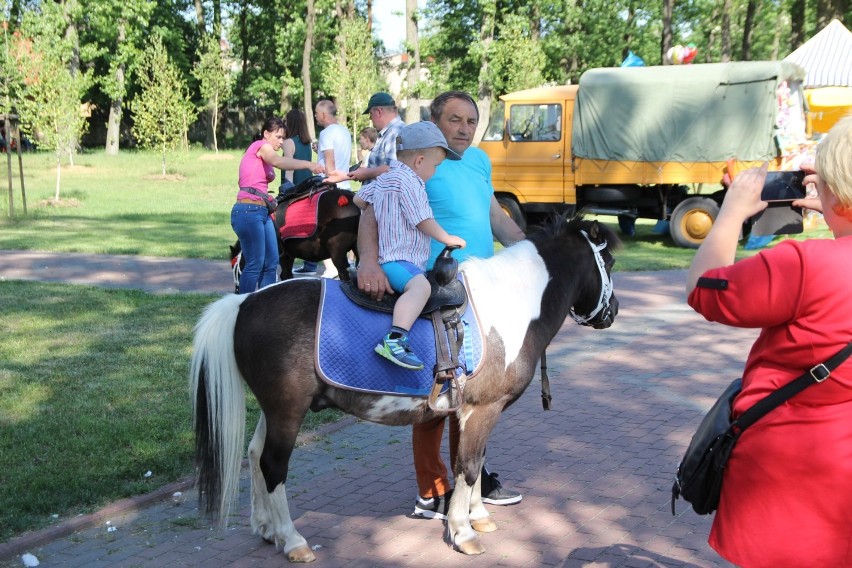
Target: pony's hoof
(301,555)
(485,525)
(471,547)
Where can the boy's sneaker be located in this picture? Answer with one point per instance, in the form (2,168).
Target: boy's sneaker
(397,351)
(434,507)
(494,493)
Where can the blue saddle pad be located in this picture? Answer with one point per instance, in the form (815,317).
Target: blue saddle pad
(347,335)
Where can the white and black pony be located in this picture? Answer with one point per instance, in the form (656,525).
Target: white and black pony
(522,296)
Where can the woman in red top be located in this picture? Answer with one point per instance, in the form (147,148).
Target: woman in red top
(249,216)
(787,492)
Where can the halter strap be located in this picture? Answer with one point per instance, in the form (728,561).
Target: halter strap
(606,282)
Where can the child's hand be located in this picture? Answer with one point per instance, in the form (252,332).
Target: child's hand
(454,241)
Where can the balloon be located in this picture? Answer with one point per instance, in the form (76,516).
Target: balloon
(679,54)
(689,53)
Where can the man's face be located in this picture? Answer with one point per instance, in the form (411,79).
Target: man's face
(380,117)
(321,116)
(458,124)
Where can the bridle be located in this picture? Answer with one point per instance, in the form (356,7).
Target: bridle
(603,311)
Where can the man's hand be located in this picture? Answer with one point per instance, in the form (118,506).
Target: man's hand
(372,280)
(337,176)
(361,174)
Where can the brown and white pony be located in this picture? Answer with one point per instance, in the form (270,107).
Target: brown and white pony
(266,339)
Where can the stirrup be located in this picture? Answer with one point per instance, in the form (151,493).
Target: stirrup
(442,377)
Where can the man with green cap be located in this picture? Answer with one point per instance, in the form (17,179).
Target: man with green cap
(385,118)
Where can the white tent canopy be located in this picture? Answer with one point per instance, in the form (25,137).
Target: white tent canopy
(827,57)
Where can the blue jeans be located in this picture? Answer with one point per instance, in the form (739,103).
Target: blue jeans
(256,232)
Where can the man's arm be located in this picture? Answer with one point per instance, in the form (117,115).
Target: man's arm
(371,277)
(506,230)
(329,160)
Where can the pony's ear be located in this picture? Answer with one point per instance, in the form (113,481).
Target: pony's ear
(595,231)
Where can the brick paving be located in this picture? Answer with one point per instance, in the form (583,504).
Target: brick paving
(595,471)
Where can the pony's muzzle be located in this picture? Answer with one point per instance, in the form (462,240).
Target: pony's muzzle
(606,317)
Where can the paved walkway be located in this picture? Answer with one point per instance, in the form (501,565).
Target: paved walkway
(595,471)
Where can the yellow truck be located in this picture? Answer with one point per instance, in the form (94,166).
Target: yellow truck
(642,142)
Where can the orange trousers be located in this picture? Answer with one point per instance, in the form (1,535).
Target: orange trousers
(429,466)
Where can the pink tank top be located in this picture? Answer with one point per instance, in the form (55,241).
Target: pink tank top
(254,172)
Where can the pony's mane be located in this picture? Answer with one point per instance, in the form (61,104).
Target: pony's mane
(566,224)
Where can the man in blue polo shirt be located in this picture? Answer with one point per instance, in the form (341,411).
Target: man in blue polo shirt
(462,201)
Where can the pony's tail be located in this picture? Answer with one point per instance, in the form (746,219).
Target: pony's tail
(218,407)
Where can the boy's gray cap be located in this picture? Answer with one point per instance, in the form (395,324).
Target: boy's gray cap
(422,135)
(379,100)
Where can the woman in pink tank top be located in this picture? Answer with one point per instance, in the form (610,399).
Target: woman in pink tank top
(250,217)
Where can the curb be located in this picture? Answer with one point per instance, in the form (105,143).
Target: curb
(34,539)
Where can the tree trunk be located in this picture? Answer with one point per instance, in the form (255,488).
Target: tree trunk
(58,174)
(776,38)
(484,89)
(214,119)
(797,21)
(370,16)
(310,22)
(666,41)
(827,10)
(113,138)
(343,14)
(199,18)
(217,19)
(629,25)
(412,39)
(73,37)
(244,42)
(748,28)
(726,31)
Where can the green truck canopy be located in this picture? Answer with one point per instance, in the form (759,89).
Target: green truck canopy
(681,113)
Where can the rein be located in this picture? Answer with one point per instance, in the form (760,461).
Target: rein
(602,307)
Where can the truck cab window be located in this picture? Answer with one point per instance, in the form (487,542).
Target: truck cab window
(495,125)
(535,123)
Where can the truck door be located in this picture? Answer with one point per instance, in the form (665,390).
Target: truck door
(536,153)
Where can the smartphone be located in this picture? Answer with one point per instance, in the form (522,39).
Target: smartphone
(783,186)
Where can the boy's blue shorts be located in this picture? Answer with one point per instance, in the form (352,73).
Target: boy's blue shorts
(399,272)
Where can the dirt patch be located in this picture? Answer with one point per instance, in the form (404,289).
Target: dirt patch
(67,202)
(167,177)
(215,157)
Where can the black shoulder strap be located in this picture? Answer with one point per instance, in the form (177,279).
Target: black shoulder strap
(817,374)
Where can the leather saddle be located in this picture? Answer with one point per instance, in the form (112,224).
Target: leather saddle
(445,305)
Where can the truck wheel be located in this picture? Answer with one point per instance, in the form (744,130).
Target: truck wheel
(691,221)
(511,208)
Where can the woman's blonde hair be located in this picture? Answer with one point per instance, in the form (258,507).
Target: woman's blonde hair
(834,161)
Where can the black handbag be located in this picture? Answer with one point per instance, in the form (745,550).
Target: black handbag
(699,476)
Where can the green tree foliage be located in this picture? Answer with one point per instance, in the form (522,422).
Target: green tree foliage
(48,97)
(352,90)
(162,112)
(214,79)
(113,40)
(517,61)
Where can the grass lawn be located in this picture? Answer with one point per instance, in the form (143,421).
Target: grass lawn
(93,395)
(123,205)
